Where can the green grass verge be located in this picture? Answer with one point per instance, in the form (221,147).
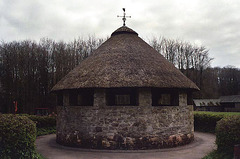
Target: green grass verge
(46,131)
(41,156)
(217,113)
(218,155)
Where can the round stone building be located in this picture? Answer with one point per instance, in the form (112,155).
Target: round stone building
(125,95)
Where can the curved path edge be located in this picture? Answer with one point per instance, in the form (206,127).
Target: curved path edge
(201,146)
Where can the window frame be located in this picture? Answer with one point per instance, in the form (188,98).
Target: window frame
(111,94)
(87,97)
(157,92)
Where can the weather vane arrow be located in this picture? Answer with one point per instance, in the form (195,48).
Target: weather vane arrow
(124,17)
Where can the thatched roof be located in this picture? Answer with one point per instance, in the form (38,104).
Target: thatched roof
(125,60)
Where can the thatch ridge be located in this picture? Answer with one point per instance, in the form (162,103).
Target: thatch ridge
(125,60)
(123,30)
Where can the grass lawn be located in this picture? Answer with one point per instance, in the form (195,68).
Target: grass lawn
(46,131)
(40,156)
(218,155)
(218,113)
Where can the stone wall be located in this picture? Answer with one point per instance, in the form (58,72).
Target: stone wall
(125,127)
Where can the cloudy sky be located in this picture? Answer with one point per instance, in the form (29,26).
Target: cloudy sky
(214,24)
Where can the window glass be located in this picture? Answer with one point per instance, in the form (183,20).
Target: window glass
(164,99)
(60,99)
(81,97)
(190,99)
(122,99)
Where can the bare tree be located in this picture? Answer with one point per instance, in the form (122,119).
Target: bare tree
(191,59)
(29,70)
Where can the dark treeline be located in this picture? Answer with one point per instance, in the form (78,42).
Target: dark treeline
(28,70)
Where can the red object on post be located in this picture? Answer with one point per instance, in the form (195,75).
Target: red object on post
(237,151)
(15,106)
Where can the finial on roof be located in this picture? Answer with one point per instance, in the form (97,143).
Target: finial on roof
(124,17)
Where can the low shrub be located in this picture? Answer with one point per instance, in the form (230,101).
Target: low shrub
(43,121)
(228,133)
(17,137)
(45,124)
(206,122)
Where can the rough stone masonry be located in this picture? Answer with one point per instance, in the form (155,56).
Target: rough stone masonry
(125,127)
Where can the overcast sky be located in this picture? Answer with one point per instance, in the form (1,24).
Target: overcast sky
(214,24)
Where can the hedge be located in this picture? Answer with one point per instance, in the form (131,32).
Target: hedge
(228,133)
(45,124)
(42,121)
(17,137)
(207,121)
(218,155)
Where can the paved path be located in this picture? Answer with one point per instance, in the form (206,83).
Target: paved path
(203,144)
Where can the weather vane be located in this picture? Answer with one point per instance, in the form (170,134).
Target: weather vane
(124,17)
